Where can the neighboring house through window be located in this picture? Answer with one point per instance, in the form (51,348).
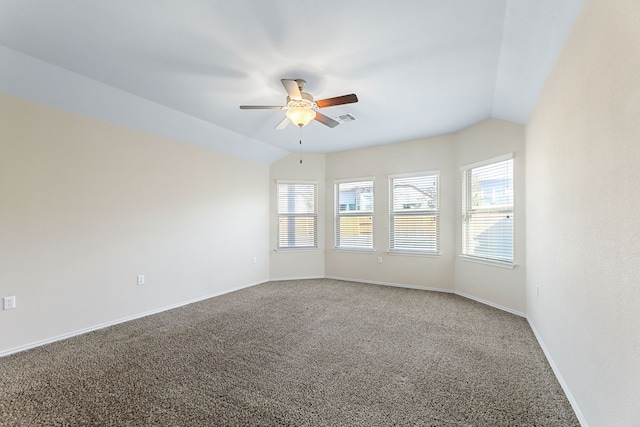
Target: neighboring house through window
(487,210)
(414,217)
(354,214)
(297,215)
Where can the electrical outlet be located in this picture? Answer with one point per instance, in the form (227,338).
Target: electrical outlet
(140,279)
(255,260)
(9,303)
(379,260)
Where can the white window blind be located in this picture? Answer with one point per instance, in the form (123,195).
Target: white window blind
(487,211)
(415,213)
(297,215)
(354,215)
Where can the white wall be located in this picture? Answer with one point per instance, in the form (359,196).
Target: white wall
(423,155)
(502,287)
(583,204)
(307,263)
(86,206)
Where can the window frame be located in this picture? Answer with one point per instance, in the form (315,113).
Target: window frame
(429,212)
(293,215)
(338,214)
(468,211)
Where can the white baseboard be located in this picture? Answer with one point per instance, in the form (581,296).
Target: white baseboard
(491,304)
(397,285)
(284,279)
(556,371)
(121,320)
(423,288)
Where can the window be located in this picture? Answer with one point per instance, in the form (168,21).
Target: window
(414,215)
(297,215)
(487,210)
(354,214)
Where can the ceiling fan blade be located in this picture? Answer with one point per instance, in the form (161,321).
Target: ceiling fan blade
(291,86)
(261,107)
(283,124)
(326,120)
(338,100)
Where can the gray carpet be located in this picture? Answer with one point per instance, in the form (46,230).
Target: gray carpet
(296,353)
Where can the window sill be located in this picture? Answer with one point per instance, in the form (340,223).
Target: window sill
(494,263)
(295,249)
(364,250)
(414,253)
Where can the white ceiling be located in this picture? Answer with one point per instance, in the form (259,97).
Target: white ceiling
(181,69)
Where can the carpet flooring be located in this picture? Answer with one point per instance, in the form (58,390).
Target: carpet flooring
(294,353)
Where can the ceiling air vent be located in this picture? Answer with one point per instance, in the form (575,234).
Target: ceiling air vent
(347,117)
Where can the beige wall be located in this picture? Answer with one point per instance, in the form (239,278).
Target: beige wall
(307,263)
(86,206)
(423,155)
(583,204)
(502,287)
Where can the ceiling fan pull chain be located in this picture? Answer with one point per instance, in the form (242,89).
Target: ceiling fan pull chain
(300,145)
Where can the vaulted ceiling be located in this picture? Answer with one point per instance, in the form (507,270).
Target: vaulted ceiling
(181,69)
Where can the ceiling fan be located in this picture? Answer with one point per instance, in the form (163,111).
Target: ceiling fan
(301,107)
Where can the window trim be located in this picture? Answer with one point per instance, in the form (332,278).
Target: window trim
(508,156)
(466,193)
(279,215)
(336,214)
(436,213)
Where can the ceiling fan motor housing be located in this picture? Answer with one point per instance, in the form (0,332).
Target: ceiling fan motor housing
(306,101)
(301,106)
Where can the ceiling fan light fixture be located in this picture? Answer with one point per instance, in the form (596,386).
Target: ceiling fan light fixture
(300,106)
(301,116)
